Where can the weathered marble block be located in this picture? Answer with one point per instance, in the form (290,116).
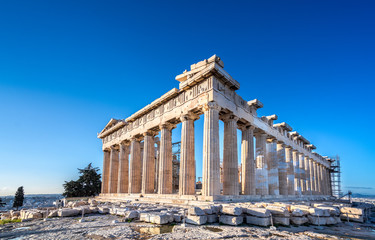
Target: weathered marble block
(196,220)
(258,221)
(231,210)
(231,220)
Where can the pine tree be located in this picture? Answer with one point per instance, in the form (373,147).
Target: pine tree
(18,198)
(88,184)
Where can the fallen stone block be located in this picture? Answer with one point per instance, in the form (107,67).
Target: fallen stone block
(216,208)
(67,212)
(231,220)
(177,218)
(103,210)
(131,214)
(161,218)
(331,221)
(258,221)
(196,220)
(79,203)
(335,211)
(298,213)
(145,217)
(258,212)
(316,220)
(278,211)
(319,212)
(196,211)
(213,218)
(298,220)
(207,210)
(351,210)
(281,220)
(231,210)
(52,213)
(352,217)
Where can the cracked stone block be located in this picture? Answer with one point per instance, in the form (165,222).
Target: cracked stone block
(231,210)
(231,220)
(196,220)
(258,221)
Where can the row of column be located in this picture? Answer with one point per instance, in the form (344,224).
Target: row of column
(274,168)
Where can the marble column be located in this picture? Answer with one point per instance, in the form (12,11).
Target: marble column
(273,172)
(113,170)
(165,162)
(297,172)
(157,163)
(290,170)
(325,181)
(315,178)
(307,174)
(230,158)
(282,169)
(135,167)
(261,171)
(319,178)
(302,173)
(105,173)
(312,178)
(211,150)
(148,175)
(123,169)
(187,162)
(247,161)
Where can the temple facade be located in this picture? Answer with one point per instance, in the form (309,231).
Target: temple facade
(275,160)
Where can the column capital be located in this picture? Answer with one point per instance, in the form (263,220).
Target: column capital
(151,133)
(229,117)
(167,125)
(245,126)
(114,147)
(211,105)
(125,143)
(188,116)
(271,139)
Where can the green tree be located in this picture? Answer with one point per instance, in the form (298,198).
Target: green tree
(88,183)
(18,198)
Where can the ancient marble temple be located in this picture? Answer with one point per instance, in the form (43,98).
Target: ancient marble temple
(275,161)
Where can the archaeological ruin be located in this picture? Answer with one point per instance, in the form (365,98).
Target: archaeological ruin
(276,162)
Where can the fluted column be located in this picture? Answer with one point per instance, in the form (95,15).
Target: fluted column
(113,170)
(297,172)
(316,178)
(273,172)
(148,175)
(105,173)
(211,148)
(165,162)
(247,161)
(135,167)
(302,173)
(282,169)
(261,171)
(312,178)
(187,162)
(325,179)
(290,170)
(230,158)
(307,173)
(123,169)
(319,178)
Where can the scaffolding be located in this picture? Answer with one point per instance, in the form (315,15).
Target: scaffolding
(336,176)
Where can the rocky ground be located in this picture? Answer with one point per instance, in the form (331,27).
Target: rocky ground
(97,226)
(133,220)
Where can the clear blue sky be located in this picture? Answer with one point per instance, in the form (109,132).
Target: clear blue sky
(67,67)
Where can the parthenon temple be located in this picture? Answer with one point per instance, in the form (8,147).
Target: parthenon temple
(275,161)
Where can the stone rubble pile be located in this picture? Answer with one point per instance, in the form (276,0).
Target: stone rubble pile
(258,214)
